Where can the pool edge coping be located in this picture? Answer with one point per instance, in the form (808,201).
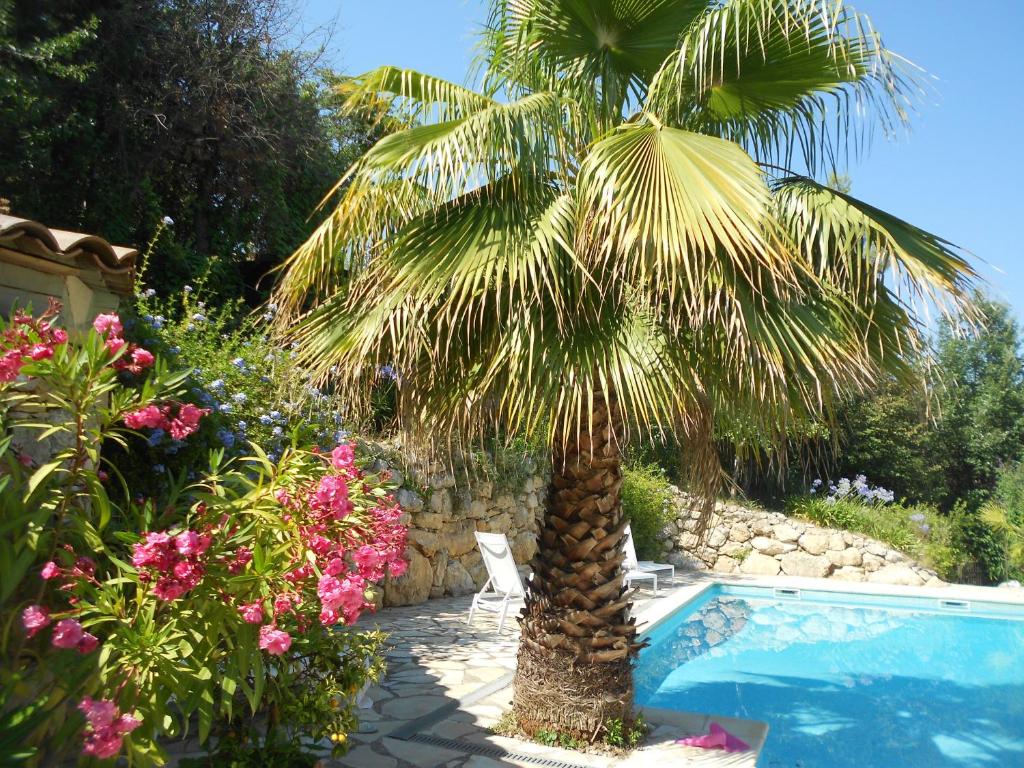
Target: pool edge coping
(657,611)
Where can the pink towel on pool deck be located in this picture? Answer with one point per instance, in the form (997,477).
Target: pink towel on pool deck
(719,738)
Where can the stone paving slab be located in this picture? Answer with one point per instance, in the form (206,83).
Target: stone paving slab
(435,659)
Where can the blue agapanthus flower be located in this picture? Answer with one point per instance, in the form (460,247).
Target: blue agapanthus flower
(155,437)
(266,420)
(240,397)
(226,437)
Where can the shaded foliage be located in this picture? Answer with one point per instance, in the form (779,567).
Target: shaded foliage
(123,113)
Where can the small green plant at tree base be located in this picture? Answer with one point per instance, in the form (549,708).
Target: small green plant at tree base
(623,736)
(547,738)
(742,554)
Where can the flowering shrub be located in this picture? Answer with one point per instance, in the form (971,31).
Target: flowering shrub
(920,531)
(232,595)
(857,489)
(250,389)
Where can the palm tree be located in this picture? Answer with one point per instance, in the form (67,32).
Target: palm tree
(605,241)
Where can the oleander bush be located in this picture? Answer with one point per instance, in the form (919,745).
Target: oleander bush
(227,601)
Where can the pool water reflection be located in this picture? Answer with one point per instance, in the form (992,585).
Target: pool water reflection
(846,685)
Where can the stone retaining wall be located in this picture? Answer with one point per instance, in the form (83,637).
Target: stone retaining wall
(751,541)
(443,514)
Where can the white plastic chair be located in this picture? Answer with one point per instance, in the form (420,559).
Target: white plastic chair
(504,585)
(643,570)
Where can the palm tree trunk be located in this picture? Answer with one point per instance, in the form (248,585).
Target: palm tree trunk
(574,670)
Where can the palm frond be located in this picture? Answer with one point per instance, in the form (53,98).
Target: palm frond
(865,250)
(523,138)
(676,214)
(603,52)
(409,96)
(785,78)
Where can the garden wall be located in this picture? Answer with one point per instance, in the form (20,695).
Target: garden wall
(444,512)
(755,542)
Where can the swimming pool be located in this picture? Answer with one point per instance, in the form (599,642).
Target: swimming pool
(848,680)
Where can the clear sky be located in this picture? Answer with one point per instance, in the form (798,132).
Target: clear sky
(958,173)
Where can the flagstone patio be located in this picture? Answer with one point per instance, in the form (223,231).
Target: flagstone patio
(447,682)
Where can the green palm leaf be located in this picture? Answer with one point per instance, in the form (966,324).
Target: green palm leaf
(781,77)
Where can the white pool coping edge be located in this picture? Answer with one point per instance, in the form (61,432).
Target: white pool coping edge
(660,609)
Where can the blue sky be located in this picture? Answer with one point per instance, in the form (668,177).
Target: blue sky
(958,173)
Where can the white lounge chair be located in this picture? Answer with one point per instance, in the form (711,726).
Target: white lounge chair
(504,585)
(643,570)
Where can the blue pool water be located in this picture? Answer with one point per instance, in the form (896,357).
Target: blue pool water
(848,681)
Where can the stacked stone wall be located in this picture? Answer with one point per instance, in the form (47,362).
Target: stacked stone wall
(444,512)
(756,542)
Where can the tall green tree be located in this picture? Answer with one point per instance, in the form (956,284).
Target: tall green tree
(600,243)
(200,110)
(887,434)
(980,402)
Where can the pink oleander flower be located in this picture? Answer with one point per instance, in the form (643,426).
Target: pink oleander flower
(67,634)
(397,567)
(273,640)
(282,604)
(242,557)
(331,496)
(343,457)
(252,613)
(50,570)
(150,417)
(41,352)
(156,552)
(345,594)
(187,421)
(88,643)
(168,589)
(187,543)
(84,566)
(34,618)
(110,323)
(10,365)
(320,545)
(115,344)
(334,566)
(142,358)
(25,460)
(59,335)
(107,729)
(369,562)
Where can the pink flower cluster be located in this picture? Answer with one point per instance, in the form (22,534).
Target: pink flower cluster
(29,339)
(342,598)
(175,560)
(107,727)
(67,633)
(135,359)
(273,640)
(179,419)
